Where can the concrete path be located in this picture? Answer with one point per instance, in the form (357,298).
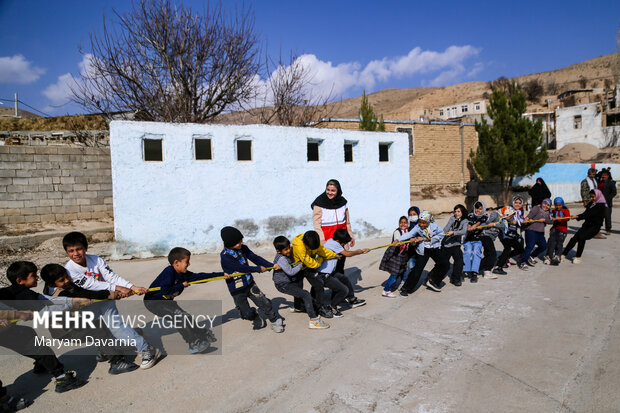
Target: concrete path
(545,340)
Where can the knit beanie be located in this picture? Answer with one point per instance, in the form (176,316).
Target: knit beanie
(231,236)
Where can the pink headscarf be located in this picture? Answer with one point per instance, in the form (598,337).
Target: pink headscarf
(600,199)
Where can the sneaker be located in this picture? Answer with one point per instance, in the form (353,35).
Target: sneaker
(556,261)
(257,323)
(326,312)
(489,275)
(432,286)
(523,266)
(404,293)
(547,260)
(199,346)
(506,265)
(119,365)
(317,323)
(600,236)
(67,381)
(356,302)
(498,270)
(562,259)
(473,278)
(337,313)
(297,310)
(278,326)
(388,294)
(531,262)
(577,260)
(608,232)
(13,404)
(150,357)
(456,282)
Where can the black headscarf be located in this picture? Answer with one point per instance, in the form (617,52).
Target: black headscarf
(539,192)
(323,200)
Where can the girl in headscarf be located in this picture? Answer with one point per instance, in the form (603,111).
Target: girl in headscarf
(539,191)
(472,247)
(510,238)
(558,232)
(593,218)
(395,258)
(451,244)
(535,242)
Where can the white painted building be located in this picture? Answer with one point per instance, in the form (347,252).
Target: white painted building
(583,124)
(261,179)
(457,110)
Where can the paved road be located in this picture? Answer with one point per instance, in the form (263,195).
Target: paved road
(546,340)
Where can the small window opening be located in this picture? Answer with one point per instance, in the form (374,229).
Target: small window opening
(244,150)
(384,152)
(203,149)
(313,151)
(153,150)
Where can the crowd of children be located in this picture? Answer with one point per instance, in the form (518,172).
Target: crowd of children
(522,237)
(468,239)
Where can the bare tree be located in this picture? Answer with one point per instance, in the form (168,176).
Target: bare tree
(164,62)
(287,98)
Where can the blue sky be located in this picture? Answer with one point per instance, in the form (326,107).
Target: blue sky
(351,45)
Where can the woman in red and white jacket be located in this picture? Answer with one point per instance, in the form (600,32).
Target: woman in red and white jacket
(330,212)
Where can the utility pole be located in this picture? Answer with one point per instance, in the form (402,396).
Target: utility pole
(16,105)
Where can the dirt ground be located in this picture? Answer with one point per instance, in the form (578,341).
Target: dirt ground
(545,340)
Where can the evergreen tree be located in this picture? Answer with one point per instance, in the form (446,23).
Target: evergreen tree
(513,145)
(381,124)
(368,119)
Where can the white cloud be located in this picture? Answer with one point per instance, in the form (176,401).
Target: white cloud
(60,92)
(16,69)
(339,79)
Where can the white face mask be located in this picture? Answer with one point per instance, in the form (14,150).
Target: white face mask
(413,219)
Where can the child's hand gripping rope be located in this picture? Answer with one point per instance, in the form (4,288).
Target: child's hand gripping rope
(224,277)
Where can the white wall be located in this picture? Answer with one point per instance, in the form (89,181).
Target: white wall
(185,202)
(591,130)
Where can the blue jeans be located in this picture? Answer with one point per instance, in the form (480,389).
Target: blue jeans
(410,265)
(534,239)
(472,255)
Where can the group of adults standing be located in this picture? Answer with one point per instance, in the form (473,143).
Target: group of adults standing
(602,181)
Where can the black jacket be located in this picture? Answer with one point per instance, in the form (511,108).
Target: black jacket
(592,217)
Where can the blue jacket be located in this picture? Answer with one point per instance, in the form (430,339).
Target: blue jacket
(237,261)
(171,283)
(437,235)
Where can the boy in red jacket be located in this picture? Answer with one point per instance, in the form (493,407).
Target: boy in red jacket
(558,232)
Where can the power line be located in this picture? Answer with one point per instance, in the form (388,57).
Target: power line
(28,106)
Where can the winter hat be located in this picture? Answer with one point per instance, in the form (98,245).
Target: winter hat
(507,211)
(231,236)
(426,216)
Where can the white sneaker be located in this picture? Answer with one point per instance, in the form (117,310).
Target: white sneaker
(547,260)
(317,323)
(577,260)
(562,259)
(388,294)
(489,275)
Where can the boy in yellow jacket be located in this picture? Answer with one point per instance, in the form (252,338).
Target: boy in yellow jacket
(307,249)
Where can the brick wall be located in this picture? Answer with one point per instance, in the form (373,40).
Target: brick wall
(437,158)
(54,183)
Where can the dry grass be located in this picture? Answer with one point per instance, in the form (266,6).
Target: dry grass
(77,122)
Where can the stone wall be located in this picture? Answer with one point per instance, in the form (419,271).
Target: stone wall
(41,184)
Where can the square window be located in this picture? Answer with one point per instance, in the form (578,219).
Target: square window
(313,151)
(440,112)
(244,150)
(384,152)
(464,108)
(577,121)
(348,152)
(202,149)
(153,150)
